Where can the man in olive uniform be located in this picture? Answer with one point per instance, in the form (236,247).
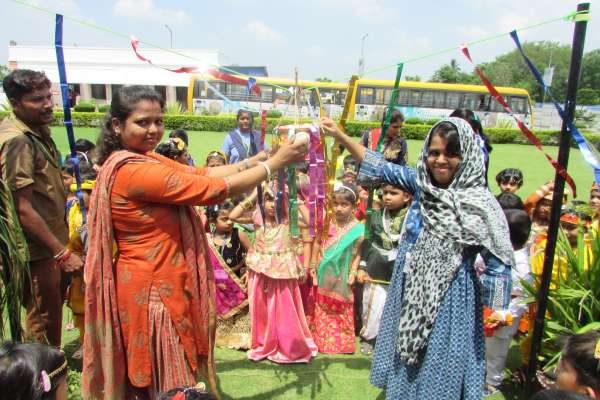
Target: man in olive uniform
(30,165)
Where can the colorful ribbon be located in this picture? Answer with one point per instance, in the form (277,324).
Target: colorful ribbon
(588,154)
(335,152)
(235,79)
(530,136)
(386,125)
(182,70)
(64,90)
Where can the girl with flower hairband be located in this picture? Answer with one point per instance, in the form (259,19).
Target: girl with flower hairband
(279,328)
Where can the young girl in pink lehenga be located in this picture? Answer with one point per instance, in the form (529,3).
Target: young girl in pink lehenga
(279,329)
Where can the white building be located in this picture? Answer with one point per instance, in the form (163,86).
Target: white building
(94,72)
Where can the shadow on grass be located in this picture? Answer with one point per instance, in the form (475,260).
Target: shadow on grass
(304,379)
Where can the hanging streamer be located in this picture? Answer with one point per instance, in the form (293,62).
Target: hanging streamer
(64,90)
(530,136)
(386,124)
(182,70)
(588,154)
(335,152)
(236,80)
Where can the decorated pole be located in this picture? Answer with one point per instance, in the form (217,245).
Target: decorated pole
(559,186)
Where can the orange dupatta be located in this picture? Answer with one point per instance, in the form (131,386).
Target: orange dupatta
(104,361)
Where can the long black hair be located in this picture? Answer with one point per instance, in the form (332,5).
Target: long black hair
(21,366)
(122,105)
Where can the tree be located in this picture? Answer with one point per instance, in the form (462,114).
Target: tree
(451,73)
(414,78)
(590,71)
(510,69)
(587,96)
(3,71)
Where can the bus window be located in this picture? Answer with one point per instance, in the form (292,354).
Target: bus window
(366,95)
(470,101)
(181,96)
(383,96)
(427,99)
(453,100)
(518,104)
(266,93)
(439,99)
(484,102)
(237,92)
(496,106)
(403,97)
(282,95)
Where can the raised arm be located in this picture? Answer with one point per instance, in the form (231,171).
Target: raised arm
(374,169)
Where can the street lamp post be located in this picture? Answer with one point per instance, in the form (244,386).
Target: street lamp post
(361,62)
(170,34)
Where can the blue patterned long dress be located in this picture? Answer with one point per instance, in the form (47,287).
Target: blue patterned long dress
(453,364)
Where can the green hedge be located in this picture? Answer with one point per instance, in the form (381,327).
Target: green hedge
(225,123)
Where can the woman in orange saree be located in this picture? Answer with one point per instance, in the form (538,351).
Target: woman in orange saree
(150,311)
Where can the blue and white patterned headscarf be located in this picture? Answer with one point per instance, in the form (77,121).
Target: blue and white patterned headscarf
(464,214)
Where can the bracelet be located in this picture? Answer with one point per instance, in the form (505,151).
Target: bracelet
(60,254)
(267,169)
(64,257)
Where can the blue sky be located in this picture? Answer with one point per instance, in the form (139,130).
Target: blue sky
(320,37)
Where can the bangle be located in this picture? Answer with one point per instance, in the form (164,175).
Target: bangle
(267,169)
(62,258)
(60,254)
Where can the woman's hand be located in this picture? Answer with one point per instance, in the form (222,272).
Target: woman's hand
(330,127)
(260,156)
(363,276)
(290,153)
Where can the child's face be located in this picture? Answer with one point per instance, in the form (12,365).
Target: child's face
(184,158)
(394,198)
(342,208)
(509,186)
(270,209)
(571,231)
(566,379)
(595,200)
(67,180)
(223,224)
(542,210)
(214,162)
(349,179)
(394,129)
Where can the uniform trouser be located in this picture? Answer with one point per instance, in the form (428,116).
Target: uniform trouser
(43,298)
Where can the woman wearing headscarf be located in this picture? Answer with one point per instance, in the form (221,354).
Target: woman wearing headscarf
(431,343)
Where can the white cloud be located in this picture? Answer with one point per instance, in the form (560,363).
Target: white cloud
(263,32)
(473,32)
(315,51)
(368,10)
(146,9)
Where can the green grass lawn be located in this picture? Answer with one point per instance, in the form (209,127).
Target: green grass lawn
(535,167)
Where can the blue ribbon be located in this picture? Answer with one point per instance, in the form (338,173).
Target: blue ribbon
(64,90)
(588,154)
